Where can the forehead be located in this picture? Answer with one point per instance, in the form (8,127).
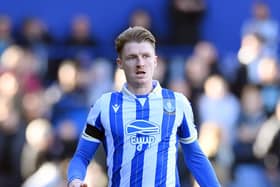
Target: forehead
(138,48)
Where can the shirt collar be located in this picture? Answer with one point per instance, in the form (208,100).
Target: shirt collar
(156,90)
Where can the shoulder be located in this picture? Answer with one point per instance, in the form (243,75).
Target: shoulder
(183,103)
(104,99)
(178,96)
(181,98)
(107,96)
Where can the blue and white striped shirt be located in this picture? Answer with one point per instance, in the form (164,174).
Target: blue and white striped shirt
(141,135)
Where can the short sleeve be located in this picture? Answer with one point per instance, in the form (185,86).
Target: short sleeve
(94,130)
(94,115)
(187,131)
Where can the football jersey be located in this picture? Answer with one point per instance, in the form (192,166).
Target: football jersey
(141,135)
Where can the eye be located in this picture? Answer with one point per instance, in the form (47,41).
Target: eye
(146,56)
(130,57)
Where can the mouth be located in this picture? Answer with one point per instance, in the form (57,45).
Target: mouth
(140,72)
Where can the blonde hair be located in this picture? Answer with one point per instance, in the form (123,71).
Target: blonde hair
(137,34)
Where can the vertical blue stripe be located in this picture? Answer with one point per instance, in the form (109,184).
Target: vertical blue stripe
(177,178)
(116,122)
(98,123)
(138,159)
(183,130)
(177,173)
(166,130)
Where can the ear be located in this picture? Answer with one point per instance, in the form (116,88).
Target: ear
(156,60)
(119,63)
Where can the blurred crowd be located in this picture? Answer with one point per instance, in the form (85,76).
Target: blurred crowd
(47,86)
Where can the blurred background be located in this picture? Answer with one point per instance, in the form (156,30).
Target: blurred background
(58,57)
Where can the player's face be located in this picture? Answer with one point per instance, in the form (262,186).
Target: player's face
(138,60)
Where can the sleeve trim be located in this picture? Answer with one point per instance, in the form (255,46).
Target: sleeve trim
(188,140)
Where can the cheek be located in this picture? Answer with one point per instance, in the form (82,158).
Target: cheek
(127,68)
(153,66)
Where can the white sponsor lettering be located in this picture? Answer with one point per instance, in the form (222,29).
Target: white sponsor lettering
(141,140)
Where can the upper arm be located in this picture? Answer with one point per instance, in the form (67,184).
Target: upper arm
(187,131)
(94,130)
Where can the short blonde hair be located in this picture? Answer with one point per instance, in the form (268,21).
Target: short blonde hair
(137,34)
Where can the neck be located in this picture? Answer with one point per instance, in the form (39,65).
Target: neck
(141,90)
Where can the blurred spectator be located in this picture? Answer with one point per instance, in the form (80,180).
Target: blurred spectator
(11,58)
(6,38)
(267,145)
(208,54)
(33,31)
(262,24)
(216,93)
(269,72)
(246,165)
(40,158)
(34,36)
(34,105)
(68,102)
(180,85)
(39,141)
(80,43)
(98,79)
(25,66)
(256,67)
(176,67)
(11,143)
(140,17)
(185,20)
(161,72)
(196,72)
(80,33)
(210,139)
(29,72)
(71,102)
(119,79)
(39,179)
(251,48)
(218,106)
(9,86)
(96,176)
(250,56)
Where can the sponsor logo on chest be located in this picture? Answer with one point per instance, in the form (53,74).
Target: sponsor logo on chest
(142,132)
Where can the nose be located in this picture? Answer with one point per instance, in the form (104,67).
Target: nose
(140,61)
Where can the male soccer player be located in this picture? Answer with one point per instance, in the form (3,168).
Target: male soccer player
(141,125)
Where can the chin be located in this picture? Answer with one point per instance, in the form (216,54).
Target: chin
(142,82)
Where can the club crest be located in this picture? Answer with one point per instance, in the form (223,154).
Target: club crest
(169,106)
